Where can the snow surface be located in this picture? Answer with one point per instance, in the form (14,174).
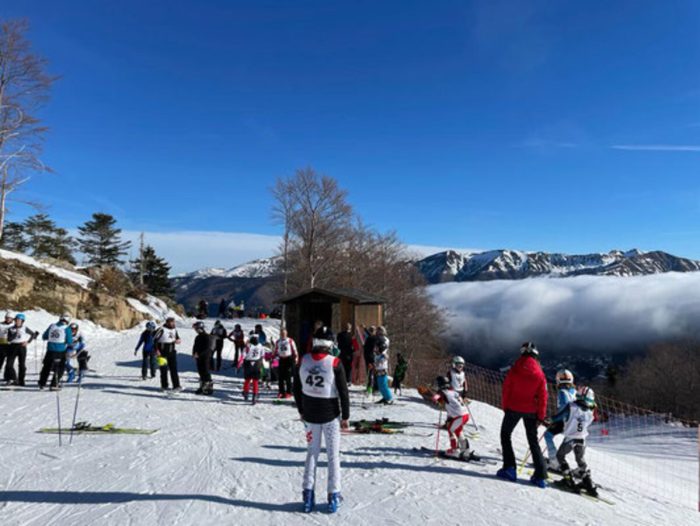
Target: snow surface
(218,460)
(76,277)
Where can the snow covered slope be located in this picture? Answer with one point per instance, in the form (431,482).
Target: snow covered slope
(220,461)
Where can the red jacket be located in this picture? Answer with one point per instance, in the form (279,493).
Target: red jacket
(525,388)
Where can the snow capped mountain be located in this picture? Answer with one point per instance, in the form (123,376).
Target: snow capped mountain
(259,268)
(513,264)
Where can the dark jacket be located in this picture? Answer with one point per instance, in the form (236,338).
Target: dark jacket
(345,344)
(201,344)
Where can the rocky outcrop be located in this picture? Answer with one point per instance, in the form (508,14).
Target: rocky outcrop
(27,287)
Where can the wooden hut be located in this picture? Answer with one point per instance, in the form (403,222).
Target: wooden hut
(333,307)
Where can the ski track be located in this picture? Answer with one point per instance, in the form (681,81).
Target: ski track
(221,461)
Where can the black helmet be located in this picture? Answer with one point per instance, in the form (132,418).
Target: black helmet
(529,348)
(198,326)
(253,339)
(382,343)
(442,382)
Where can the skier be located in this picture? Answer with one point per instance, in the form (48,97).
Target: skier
(524,398)
(262,337)
(399,372)
(457,418)
(237,336)
(458,380)
(218,333)
(166,339)
(566,393)
(59,337)
(19,337)
(4,346)
(576,417)
(252,366)
(381,369)
(346,350)
(321,396)
(78,351)
(148,354)
(368,349)
(286,352)
(202,352)
(358,367)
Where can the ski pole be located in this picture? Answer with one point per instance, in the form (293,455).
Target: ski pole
(471,417)
(36,358)
(437,439)
(527,456)
(75,410)
(58,400)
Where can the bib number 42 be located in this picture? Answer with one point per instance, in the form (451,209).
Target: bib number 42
(314,381)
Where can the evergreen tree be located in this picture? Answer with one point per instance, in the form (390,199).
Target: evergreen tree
(156,272)
(45,240)
(13,237)
(101,242)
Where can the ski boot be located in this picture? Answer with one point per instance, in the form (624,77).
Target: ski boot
(568,481)
(334,500)
(507,474)
(201,389)
(71,376)
(208,388)
(309,500)
(469,455)
(254,399)
(539,482)
(588,485)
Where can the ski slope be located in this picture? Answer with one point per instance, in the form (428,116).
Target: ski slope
(218,460)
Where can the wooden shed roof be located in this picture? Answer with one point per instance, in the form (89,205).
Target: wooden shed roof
(354,295)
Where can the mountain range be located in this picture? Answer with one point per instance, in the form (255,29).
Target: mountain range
(254,282)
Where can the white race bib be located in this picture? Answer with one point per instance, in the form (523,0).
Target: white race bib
(57,334)
(317,377)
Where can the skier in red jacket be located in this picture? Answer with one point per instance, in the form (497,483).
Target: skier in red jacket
(524,397)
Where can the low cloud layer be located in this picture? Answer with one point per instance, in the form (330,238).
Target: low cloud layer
(586,312)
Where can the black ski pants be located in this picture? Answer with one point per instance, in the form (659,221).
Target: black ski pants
(215,359)
(18,352)
(285,372)
(148,361)
(4,350)
(170,354)
(53,361)
(510,420)
(203,361)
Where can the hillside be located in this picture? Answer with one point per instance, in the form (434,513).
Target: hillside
(221,461)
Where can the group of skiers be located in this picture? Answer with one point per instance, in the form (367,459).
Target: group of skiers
(65,345)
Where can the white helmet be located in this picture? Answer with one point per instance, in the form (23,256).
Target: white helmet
(565,377)
(66,317)
(457,360)
(586,394)
(9,315)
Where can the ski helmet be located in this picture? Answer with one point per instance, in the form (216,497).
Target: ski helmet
(65,317)
(585,394)
(20,316)
(150,325)
(162,361)
(9,316)
(457,360)
(529,348)
(382,343)
(198,326)
(74,326)
(253,338)
(565,377)
(321,344)
(442,382)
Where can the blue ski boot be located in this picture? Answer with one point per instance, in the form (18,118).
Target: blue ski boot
(309,500)
(71,376)
(536,481)
(334,500)
(507,474)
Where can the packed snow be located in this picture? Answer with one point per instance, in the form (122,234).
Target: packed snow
(218,460)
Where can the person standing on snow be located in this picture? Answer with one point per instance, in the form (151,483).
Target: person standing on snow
(19,337)
(457,418)
(4,346)
(321,396)
(524,398)
(148,354)
(78,351)
(237,336)
(457,378)
(346,351)
(59,337)
(166,339)
(381,369)
(286,351)
(368,348)
(252,367)
(202,353)
(566,394)
(218,333)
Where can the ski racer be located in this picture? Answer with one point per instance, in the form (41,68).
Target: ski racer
(286,352)
(202,353)
(457,418)
(252,366)
(19,337)
(148,354)
(166,339)
(59,337)
(457,378)
(566,393)
(381,369)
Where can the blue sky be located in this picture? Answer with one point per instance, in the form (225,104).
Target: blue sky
(558,126)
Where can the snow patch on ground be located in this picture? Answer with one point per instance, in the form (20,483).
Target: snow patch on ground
(76,277)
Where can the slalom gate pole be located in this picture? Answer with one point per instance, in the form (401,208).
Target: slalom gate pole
(75,409)
(58,400)
(437,439)
(527,456)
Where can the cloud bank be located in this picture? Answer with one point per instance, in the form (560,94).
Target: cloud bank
(586,312)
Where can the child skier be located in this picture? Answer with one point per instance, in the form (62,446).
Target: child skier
(237,336)
(577,417)
(252,366)
(321,396)
(381,369)
(202,353)
(76,351)
(148,354)
(566,394)
(457,378)
(457,418)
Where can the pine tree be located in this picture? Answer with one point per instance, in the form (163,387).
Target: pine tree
(45,240)
(13,237)
(101,241)
(156,272)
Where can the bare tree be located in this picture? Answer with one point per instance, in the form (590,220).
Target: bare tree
(24,87)
(282,215)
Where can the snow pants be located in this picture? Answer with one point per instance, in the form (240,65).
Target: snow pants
(215,360)
(18,352)
(203,362)
(148,360)
(4,349)
(383,384)
(53,361)
(510,420)
(314,435)
(455,428)
(284,372)
(549,435)
(578,446)
(171,356)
